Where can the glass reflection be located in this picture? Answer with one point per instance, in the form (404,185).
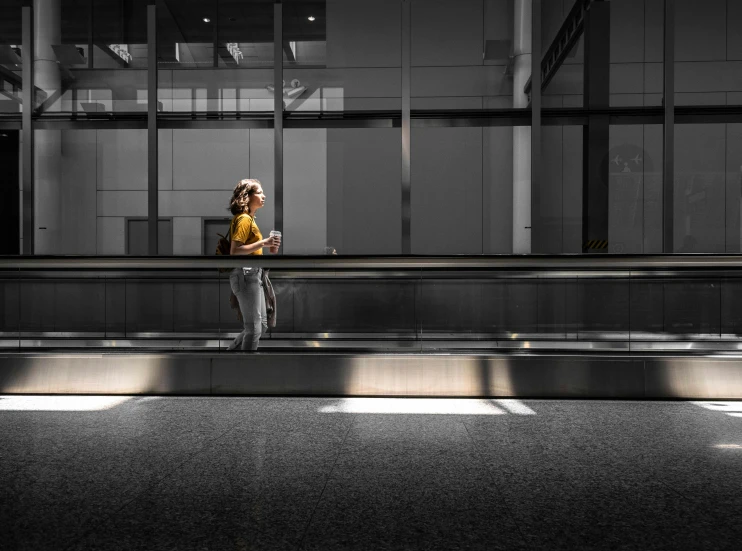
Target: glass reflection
(10,56)
(215,56)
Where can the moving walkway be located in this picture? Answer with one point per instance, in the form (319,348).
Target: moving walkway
(583,326)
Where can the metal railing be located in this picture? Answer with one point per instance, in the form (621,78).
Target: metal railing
(580,302)
(535,262)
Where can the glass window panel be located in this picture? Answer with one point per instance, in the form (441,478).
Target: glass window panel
(734,188)
(700,188)
(118,79)
(10,56)
(10,140)
(636,53)
(87,183)
(120,34)
(557,202)
(245,34)
(566,87)
(305,31)
(10,197)
(707,53)
(198,171)
(61,36)
(118,82)
(466,54)
(215,56)
(342,191)
(636,48)
(462,188)
(634,165)
(342,55)
(635,189)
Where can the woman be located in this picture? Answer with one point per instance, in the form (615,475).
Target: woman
(246,283)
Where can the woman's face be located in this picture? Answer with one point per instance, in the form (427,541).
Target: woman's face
(257,199)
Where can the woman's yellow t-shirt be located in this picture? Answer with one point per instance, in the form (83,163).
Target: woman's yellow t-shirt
(244,229)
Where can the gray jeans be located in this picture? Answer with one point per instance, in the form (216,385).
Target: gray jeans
(247,285)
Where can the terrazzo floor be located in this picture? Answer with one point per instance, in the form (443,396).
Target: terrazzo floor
(96,472)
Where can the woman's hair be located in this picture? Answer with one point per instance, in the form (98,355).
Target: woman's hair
(241,195)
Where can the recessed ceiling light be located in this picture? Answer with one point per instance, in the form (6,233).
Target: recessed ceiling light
(207,20)
(311,18)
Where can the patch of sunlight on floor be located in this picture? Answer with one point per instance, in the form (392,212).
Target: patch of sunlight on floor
(60,403)
(426,406)
(733,409)
(516,406)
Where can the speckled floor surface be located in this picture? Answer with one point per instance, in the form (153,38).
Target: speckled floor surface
(282,473)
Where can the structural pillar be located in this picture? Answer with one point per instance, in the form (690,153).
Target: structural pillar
(47,231)
(668,93)
(278,121)
(521,134)
(153,206)
(27,188)
(596,131)
(406,127)
(536,85)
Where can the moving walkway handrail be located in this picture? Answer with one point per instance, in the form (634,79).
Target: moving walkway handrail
(534,263)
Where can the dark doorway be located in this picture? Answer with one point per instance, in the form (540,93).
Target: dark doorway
(136,236)
(10,206)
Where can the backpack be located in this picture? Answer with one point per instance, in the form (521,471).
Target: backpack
(224,245)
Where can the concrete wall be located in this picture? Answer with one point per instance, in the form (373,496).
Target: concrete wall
(341,187)
(364,201)
(103,182)
(305,190)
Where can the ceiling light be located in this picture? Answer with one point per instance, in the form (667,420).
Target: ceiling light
(207,20)
(311,18)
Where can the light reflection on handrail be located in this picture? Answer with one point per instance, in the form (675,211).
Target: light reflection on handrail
(566,263)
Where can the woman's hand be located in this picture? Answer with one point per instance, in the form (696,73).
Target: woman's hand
(273,243)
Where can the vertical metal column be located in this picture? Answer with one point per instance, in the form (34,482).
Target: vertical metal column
(535,122)
(27,96)
(596,133)
(406,172)
(215,58)
(152,197)
(47,144)
(278,117)
(91,22)
(668,173)
(522,66)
